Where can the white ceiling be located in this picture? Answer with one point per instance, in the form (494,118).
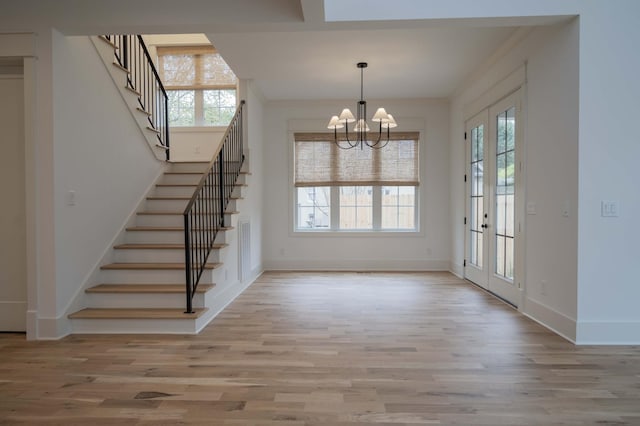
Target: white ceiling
(292,51)
(408,57)
(403,63)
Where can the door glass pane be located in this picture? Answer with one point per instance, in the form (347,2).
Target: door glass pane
(505,193)
(476,190)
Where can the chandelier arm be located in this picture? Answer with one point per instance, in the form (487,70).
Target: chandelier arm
(375,144)
(351,144)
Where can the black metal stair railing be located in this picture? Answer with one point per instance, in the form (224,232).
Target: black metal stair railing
(132,54)
(204,214)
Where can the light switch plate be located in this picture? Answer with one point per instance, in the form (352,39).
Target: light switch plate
(609,208)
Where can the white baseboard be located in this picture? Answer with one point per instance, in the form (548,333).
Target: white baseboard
(548,317)
(228,295)
(608,333)
(53,328)
(457,269)
(381,265)
(13,316)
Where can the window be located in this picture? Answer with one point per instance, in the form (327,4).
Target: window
(200,85)
(355,189)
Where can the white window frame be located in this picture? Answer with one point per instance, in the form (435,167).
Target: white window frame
(376,213)
(198,101)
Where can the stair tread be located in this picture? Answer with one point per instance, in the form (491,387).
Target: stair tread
(175,213)
(199,173)
(188,162)
(169,228)
(137,313)
(185,197)
(159,246)
(146,288)
(152,266)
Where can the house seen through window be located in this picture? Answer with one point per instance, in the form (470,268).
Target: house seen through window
(200,86)
(358,189)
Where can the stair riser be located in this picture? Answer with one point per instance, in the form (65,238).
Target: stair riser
(160,220)
(140,300)
(180,179)
(134,326)
(177,205)
(169,237)
(165,205)
(193,179)
(172,220)
(150,276)
(188,167)
(186,191)
(157,256)
(174,191)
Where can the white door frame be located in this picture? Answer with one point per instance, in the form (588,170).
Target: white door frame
(512,292)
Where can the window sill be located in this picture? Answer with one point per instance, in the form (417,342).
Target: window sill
(358,233)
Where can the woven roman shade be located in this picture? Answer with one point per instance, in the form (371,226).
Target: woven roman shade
(194,67)
(319,162)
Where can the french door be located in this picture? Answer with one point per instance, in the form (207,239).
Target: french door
(492,145)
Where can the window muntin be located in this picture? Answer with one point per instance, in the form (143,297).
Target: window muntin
(356,207)
(200,85)
(505,193)
(398,207)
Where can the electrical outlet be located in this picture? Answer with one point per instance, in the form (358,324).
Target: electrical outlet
(71,198)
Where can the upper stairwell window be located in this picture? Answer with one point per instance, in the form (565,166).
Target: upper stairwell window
(200,85)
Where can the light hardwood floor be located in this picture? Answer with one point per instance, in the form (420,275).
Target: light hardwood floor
(328,349)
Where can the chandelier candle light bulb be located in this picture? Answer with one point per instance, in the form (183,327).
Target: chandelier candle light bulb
(361,128)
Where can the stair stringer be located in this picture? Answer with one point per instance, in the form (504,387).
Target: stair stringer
(119,76)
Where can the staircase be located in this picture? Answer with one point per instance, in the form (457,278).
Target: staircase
(150,282)
(143,289)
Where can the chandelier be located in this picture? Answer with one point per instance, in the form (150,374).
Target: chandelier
(361,138)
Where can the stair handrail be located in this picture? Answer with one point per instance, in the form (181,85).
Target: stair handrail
(204,214)
(143,79)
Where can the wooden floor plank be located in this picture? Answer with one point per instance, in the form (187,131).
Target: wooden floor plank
(338,349)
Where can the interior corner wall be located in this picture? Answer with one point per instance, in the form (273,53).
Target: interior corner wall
(102,164)
(550,169)
(609,290)
(427,250)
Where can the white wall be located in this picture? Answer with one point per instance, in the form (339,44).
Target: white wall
(550,167)
(609,288)
(255,197)
(195,143)
(100,154)
(13,263)
(393,251)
